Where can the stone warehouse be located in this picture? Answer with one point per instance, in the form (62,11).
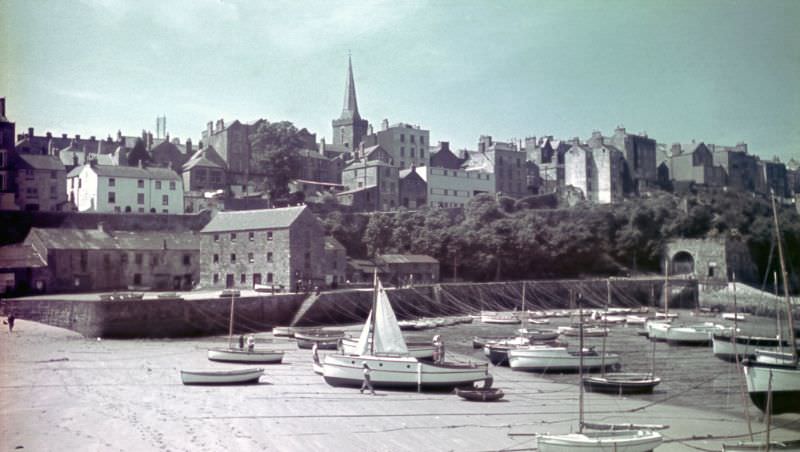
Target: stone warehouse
(86,260)
(281,248)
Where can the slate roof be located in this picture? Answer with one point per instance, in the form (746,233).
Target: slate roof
(206,157)
(20,256)
(133,172)
(41,162)
(96,239)
(355,190)
(253,220)
(406,259)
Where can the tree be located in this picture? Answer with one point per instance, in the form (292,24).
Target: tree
(139,155)
(275,147)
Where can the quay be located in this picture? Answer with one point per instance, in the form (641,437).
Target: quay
(62,391)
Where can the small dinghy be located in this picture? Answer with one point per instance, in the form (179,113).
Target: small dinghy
(480,394)
(621,383)
(221,377)
(325,340)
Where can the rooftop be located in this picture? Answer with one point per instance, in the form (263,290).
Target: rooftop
(406,259)
(253,220)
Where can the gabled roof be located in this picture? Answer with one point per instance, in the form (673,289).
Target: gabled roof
(40,162)
(97,239)
(356,190)
(134,172)
(406,259)
(477,160)
(206,157)
(253,220)
(20,256)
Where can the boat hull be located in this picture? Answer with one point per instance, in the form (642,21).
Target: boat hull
(417,350)
(558,359)
(480,395)
(223,377)
(621,383)
(322,343)
(244,356)
(399,372)
(746,346)
(785,386)
(618,441)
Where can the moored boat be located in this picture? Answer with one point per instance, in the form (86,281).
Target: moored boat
(325,340)
(738,316)
(614,440)
(546,358)
(235,355)
(657,330)
(591,331)
(745,346)
(221,377)
(621,383)
(782,379)
(480,394)
(422,350)
(692,334)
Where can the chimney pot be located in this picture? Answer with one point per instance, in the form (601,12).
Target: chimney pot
(63,135)
(30,132)
(77,136)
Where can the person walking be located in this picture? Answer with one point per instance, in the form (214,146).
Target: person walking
(241,342)
(367,384)
(11,319)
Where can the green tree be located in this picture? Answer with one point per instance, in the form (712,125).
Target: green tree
(275,146)
(139,155)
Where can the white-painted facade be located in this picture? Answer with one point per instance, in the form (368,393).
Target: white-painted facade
(101,188)
(455,187)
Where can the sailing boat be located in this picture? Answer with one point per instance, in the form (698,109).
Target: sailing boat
(657,329)
(388,357)
(621,382)
(243,355)
(780,377)
(634,438)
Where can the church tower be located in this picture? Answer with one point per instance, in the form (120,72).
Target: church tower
(349,129)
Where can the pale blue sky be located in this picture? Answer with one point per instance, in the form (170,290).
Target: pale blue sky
(717,71)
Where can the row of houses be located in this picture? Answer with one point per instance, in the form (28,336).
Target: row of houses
(283,249)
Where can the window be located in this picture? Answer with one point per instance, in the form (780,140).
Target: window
(137,258)
(164,210)
(172,185)
(269,277)
(106,259)
(250,257)
(216,237)
(269,257)
(411,137)
(187,259)
(165,200)
(112,197)
(53,174)
(269,235)
(79,183)
(141,209)
(233,236)
(402,138)
(140,198)
(256,278)
(154,260)
(243,278)
(52,191)
(422,153)
(158,185)
(216,278)
(251,235)
(421,141)
(402,164)
(140,183)
(112,182)
(233,258)
(137,279)
(123,258)
(117,209)
(402,151)
(216,258)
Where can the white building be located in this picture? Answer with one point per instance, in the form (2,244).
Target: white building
(596,172)
(104,188)
(407,145)
(455,187)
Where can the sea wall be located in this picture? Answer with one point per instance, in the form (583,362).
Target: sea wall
(181,318)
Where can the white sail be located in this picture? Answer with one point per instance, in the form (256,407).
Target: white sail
(363,341)
(388,337)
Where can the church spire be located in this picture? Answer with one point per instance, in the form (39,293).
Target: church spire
(350,108)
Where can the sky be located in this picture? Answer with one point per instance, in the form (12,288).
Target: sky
(721,72)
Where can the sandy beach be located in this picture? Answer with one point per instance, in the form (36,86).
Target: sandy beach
(61,391)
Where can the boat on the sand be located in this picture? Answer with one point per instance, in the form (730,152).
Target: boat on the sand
(221,377)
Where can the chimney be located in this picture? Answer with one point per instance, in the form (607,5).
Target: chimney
(2,106)
(30,132)
(77,136)
(444,145)
(371,131)
(119,135)
(64,136)
(188,146)
(209,129)
(385,124)
(49,135)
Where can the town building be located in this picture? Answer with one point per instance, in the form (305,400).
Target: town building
(316,167)
(40,182)
(455,187)
(335,263)
(205,171)
(505,161)
(370,181)
(7,189)
(283,248)
(597,172)
(407,269)
(413,188)
(407,144)
(691,164)
(639,152)
(546,156)
(772,177)
(171,154)
(104,188)
(443,157)
(349,129)
(740,169)
(232,143)
(711,260)
(86,260)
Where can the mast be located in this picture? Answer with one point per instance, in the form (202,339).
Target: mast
(742,387)
(374,307)
(580,365)
(230,324)
(778,326)
(789,316)
(524,312)
(605,325)
(666,289)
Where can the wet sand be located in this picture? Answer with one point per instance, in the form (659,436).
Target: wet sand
(61,391)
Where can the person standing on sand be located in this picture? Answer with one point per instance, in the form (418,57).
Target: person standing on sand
(11,319)
(367,384)
(251,343)
(241,342)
